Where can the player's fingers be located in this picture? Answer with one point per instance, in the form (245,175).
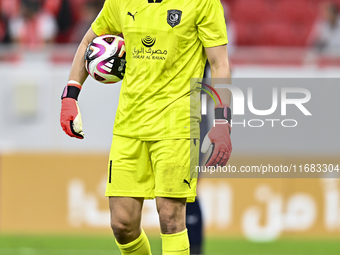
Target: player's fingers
(225,159)
(68,129)
(77,126)
(76,133)
(219,157)
(230,149)
(212,159)
(63,126)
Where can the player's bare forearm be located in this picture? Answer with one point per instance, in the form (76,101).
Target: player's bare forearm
(219,134)
(78,72)
(222,72)
(219,64)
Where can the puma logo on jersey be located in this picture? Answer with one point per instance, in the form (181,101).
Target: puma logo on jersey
(133,16)
(186,182)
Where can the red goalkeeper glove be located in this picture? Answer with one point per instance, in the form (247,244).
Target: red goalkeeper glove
(219,138)
(70,118)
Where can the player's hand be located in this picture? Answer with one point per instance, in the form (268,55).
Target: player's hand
(70,117)
(219,138)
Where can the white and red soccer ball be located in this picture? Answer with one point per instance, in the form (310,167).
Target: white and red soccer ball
(105,59)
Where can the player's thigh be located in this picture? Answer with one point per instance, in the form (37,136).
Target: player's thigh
(174,165)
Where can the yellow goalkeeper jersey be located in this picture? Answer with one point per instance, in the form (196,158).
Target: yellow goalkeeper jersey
(165,42)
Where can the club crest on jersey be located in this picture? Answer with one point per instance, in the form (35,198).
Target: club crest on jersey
(174,17)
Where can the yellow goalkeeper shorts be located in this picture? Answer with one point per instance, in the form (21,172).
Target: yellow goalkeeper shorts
(149,169)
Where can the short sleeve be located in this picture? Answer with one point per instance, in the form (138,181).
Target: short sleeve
(210,23)
(107,21)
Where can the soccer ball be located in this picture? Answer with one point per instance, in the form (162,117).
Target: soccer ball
(105,59)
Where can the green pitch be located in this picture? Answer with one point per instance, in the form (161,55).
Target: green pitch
(77,245)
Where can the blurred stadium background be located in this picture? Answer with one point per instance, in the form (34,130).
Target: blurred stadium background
(51,186)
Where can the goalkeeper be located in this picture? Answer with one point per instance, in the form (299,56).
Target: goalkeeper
(155,144)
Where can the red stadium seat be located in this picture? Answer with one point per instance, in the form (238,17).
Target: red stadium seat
(297,10)
(274,22)
(248,34)
(276,34)
(249,11)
